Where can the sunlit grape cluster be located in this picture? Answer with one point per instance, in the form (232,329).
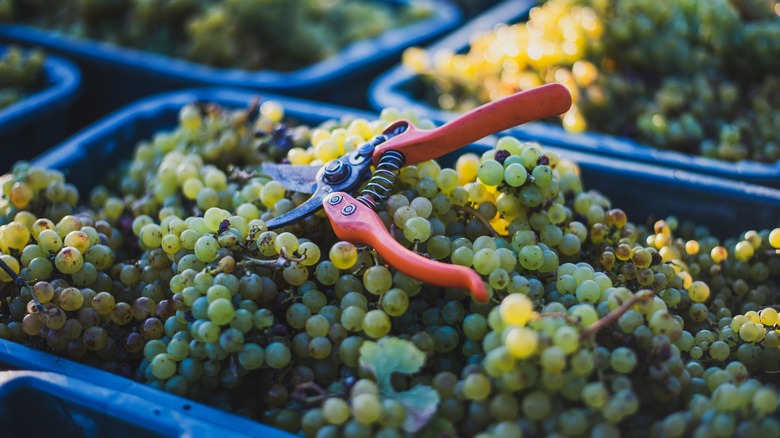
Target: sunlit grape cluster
(280,35)
(696,77)
(595,326)
(21,73)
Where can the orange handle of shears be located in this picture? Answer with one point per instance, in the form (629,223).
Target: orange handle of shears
(354,222)
(419,145)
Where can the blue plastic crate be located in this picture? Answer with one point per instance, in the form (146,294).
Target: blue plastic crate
(644,192)
(393,89)
(79,401)
(40,120)
(115,75)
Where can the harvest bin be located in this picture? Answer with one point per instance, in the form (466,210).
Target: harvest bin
(394,88)
(642,190)
(115,75)
(36,123)
(79,401)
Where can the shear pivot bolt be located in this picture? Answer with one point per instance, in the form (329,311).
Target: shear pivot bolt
(365,149)
(336,171)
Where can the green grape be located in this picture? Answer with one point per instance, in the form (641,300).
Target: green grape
(476,387)
(395,302)
(623,360)
(376,324)
(335,411)
(516,309)
(163,366)
(343,255)
(699,291)
(206,248)
(377,280)
(221,311)
(417,229)
(490,172)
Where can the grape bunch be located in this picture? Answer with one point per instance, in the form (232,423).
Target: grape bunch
(596,326)
(695,77)
(279,35)
(20,74)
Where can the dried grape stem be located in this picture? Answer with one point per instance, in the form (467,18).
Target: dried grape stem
(280,262)
(479,217)
(615,314)
(19,281)
(564,316)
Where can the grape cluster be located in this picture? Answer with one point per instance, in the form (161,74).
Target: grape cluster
(280,35)
(169,275)
(696,77)
(20,74)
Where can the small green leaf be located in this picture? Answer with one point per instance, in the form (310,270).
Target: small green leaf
(420,403)
(388,356)
(393,355)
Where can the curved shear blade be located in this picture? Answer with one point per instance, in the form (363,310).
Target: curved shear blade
(294,177)
(309,207)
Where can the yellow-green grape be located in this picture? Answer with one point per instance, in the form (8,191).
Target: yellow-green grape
(743,251)
(171,244)
(221,311)
(12,263)
(377,280)
(68,260)
(521,342)
(191,188)
(343,255)
(273,111)
(774,238)
(71,299)
(206,248)
(248,211)
(288,241)
(40,225)
(16,235)
(189,117)
(49,241)
(67,224)
(417,229)
(490,172)
(376,324)
(516,309)
(311,253)
(213,218)
(699,291)
(77,239)
(272,193)
(768,316)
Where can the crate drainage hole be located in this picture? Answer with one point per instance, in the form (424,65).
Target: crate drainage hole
(187,407)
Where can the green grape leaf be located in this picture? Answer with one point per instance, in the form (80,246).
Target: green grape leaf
(390,355)
(421,403)
(393,355)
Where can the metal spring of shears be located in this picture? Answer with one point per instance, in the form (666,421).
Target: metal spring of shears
(383,180)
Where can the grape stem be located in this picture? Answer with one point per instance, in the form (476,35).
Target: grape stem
(616,313)
(479,217)
(240,175)
(282,261)
(300,392)
(563,316)
(19,281)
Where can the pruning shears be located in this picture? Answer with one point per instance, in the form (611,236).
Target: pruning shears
(354,219)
